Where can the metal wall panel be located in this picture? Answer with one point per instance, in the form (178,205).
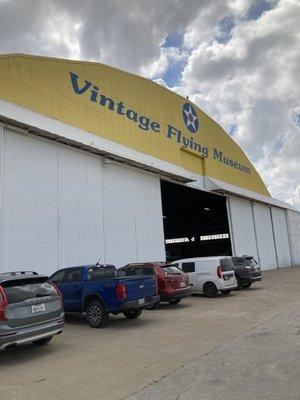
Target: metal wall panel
(281,237)
(242,227)
(293,219)
(64,207)
(80,239)
(29,204)
(264,235)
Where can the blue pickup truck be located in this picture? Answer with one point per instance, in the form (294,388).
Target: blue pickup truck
(97,290)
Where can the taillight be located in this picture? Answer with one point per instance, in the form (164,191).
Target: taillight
(3,304)
(219,272)
(58,292)
(121,291)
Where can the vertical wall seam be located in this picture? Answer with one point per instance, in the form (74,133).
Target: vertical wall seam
(229,217)
(273,233)
(134,215)
(288,227)
(255,232)
(103,211)
(58,209)
(1,187)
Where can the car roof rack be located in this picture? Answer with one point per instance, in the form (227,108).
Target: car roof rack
(14,273)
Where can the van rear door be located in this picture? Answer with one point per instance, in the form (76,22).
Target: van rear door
(227,271)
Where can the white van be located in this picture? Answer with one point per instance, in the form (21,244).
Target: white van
(209,275)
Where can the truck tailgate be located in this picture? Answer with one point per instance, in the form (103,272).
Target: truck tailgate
(139,287)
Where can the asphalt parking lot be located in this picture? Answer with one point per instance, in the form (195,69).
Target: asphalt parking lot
(115,362)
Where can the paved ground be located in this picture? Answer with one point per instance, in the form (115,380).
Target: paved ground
(126,356)
(261,364)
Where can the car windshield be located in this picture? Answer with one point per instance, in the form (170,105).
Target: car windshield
(171,270)
(226,264)
(21,290)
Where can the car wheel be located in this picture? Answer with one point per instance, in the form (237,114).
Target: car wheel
(210,290)
(247,285)
(42,342)
(174,301)
(153,306)
(96,315)
(133,313)
(226,291)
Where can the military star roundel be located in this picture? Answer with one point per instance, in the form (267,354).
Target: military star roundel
(190,117)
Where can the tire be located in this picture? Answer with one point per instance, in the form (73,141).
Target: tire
(175,301)
(153,306)
(42,342)
(210,290)
(226,291)
(247,285)
(133,313)
(96,315)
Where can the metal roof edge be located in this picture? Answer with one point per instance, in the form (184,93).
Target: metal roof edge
(215,185)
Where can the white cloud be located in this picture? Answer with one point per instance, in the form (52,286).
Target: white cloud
(251,83)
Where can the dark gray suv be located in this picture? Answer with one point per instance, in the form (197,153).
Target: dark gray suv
(246,270)
(30,309)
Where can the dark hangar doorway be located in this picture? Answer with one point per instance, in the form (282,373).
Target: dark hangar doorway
(195,222)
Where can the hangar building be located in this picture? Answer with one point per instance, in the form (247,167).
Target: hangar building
(100,163)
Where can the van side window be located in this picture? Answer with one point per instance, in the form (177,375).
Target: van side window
(188,267)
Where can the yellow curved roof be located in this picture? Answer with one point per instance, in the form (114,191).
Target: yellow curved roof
(129,110)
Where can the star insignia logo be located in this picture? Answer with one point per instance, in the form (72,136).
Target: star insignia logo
(190,117)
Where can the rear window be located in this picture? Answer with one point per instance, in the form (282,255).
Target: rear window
(21,290)
(238,261)
(137,271)
(96,273)
(171,270)
(226,264)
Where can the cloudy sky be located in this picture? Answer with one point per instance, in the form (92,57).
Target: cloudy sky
(238,60)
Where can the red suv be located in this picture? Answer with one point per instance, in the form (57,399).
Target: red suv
(172,283)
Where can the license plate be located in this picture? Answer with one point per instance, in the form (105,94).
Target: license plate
(141,302)
(182,284)
(37,308)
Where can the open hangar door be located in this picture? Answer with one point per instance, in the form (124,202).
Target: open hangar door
(195,222)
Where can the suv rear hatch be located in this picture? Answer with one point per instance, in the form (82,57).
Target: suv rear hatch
(251,266)
(174,277)
(30,300)
(227,272)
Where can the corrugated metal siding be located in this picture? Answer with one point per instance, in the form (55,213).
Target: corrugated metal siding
(294,231)
(281,237)
(242,227)
(62,206)
(264,234)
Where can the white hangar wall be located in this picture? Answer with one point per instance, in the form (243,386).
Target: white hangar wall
(293,219)
(262,231)
(61,206)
